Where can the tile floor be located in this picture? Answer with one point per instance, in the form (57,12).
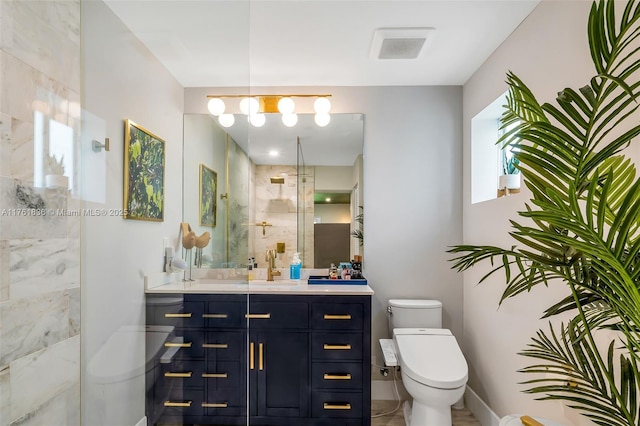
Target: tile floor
(460,417)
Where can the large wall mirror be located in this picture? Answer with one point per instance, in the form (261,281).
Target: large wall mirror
(293,189)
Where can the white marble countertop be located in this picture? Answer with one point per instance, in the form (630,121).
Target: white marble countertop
(173,283)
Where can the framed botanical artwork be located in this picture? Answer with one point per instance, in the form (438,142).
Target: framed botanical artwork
(144,159)
(208,196)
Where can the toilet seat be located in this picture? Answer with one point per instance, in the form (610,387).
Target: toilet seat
(431,356)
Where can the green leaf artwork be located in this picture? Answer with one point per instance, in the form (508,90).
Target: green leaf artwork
(144,174)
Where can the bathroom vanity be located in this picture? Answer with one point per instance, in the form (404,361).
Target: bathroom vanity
(261,354)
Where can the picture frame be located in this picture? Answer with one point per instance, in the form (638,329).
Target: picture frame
(208,196)
(144,164)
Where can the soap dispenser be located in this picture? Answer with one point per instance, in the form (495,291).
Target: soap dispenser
(295,267)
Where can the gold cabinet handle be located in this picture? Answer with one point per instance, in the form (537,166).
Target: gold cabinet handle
(251,357)
(215,345)
(337,317)
(188,315)
(330,406)
(215,405)
(337,376)
(170,374)
(257,316)
(328,347)
(215,316)
(177,345)
(261,356)
(177,404)
(214,375)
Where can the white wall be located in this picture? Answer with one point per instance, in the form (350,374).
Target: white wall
(411,183)
(123,80)
(549,51)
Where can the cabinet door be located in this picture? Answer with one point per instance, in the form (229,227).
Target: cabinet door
(279,373)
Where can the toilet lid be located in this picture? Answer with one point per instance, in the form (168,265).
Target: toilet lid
(431,357)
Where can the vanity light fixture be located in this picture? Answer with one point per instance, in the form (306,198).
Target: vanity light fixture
(256,106)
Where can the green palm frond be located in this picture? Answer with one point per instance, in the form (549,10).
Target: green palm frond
(581,227)
(572,373)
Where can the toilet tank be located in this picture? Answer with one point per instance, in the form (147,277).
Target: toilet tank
(412,313)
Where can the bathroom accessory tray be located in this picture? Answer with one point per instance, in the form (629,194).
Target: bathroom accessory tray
(325,280)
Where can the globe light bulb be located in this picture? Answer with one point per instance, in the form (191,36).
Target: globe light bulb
(286,106)
(322,106)
(249,106)
(226,120)
(289,120)
(216,106)
(257,120)
(322,119)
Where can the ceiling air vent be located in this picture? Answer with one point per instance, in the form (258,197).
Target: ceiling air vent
(399,43)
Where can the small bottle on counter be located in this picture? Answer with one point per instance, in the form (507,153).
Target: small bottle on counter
(250,269)
(333,272)
(295,267)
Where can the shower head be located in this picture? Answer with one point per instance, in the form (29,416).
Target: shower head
(277,179)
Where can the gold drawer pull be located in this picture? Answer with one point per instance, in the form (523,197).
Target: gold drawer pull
(215,375)
(177,404)
(215,316)
(337,317)
(170,374)
(328,347)
(177,345)
(330,406)
(337,376)
(257,316)
(215,345)
(177,315)
(215,405)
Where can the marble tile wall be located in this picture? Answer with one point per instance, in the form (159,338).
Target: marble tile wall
(39,245)
(277,204)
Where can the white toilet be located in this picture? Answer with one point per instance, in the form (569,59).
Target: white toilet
(433,369)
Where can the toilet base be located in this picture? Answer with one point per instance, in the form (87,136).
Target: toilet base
(417,414)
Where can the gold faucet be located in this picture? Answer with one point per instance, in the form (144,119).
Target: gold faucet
(271,264)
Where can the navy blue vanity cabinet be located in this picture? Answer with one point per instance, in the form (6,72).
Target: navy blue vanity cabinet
(262,359)
(278,359)
(341,358)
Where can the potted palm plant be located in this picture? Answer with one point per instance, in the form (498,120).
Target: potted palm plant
(581,226)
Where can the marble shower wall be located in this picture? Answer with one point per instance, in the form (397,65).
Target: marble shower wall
(276,205)
(39,240)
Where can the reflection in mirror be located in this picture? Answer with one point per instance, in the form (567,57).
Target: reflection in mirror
(269,181)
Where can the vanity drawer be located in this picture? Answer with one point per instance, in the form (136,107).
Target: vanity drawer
(188,344)
(223,375)
(224,345)
(336,404)
(278,315)
(336,346)
(178,314)
(337,316)
(224,314)
(224,403)
(182,373)
(183,402)
(336,375)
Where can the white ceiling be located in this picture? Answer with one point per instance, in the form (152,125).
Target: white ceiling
(211,43)
(242,43)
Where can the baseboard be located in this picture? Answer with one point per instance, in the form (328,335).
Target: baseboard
(481,411)
(142,422)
